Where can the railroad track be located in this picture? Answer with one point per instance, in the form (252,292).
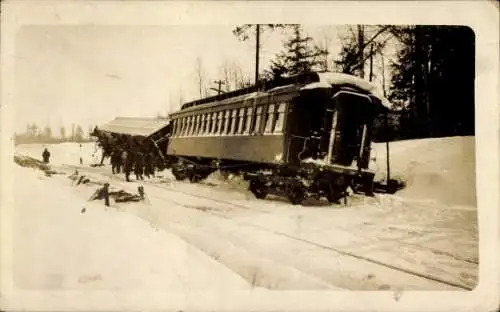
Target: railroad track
(220,214)
(321,246)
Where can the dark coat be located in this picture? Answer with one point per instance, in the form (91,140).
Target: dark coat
(46,155)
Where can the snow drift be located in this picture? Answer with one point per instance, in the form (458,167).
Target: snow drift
(440,169)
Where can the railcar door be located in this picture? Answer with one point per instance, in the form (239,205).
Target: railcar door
(305,128)
(350,128)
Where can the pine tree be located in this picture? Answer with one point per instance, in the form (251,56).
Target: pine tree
(354,51)
(299,56)
(433,80)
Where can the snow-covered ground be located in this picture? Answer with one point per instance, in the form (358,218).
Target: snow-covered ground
(423,237)
(68,153)
(57,246)
(440,169)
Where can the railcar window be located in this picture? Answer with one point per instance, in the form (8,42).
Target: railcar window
(189,125)
(192,124)
(242,120)
(207,124)
(183,126)
(257,121)
(213,122)
(229,121)
(224,122)
(203,124)
(217,118)
(194,128)
(195,125)
(271,119)
(199,125)
(186,126)
(177,126)
(239,124)
(234,121)
(278,127)
(248,120)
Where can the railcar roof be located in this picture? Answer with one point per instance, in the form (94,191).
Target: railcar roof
(319,80)
(135,126)
(230,100)
(333,78)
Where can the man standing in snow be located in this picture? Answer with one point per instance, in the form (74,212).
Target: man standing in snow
(115,161)
(127,164)
(46,156)
(139,165)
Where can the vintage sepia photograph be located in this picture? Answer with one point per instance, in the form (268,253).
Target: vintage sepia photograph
(175,158)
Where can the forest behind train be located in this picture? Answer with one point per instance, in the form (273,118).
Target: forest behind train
(428,77)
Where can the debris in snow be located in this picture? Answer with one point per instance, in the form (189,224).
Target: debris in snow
(29,162)
(102,193)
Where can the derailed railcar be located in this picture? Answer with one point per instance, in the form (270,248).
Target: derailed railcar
(135,134)
(308,137)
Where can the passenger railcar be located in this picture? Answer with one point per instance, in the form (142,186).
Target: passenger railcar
(309,136)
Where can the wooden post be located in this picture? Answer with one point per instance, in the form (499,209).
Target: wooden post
(332,137)
(140,189)
(361,47)
(387,146)
(371,62)
(257,48)
(105,192)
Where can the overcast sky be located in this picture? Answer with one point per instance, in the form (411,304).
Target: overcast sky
(91,74)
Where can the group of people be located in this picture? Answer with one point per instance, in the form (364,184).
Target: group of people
(138,161)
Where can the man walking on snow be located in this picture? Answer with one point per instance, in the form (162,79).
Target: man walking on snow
(46,156)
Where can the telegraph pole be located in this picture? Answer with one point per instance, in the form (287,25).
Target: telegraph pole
(383,74)
(257,46)
(361,48)
(219,89)
(371,62)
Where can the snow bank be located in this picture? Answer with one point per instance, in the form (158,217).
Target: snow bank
(57,246)
(227,182)
(67,153)
(440,169)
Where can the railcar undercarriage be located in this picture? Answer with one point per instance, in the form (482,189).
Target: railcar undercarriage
(297,183)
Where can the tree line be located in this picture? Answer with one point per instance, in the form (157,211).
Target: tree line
(36,134)
(430,79)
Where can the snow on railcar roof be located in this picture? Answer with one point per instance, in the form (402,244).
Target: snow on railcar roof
(135,125)
(341,78)
(316,85)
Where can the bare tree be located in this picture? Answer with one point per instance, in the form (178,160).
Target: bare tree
(62,132)
(201,76)
(233,76)
(47,132)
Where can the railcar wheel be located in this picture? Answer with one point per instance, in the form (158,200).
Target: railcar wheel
(258,189)
(193,177)
(334,195)
(296,194)
(179,176)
